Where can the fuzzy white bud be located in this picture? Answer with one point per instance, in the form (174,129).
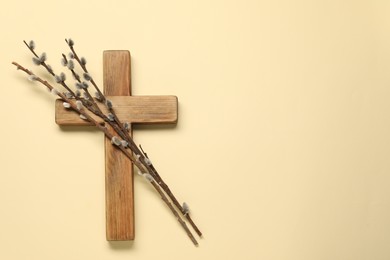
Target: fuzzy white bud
(60,78)
(127,125)
(116,141)
(57,78)
(83,117)
(98,96)
(148,161)
(66,105)
(70,65)
(31,45)
(124,143)
(186,208)
(110,117)
(108,104)
(83,61)
(36,61)
(87,77)
(71,55)
(43,57)
(68,95)
(70,42)
(85,95)
(54,92)
(79,104)
(32,77)
(64,62)
(148,177)
(137,156)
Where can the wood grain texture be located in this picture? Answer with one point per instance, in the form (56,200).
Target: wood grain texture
(119,169)
(133,109)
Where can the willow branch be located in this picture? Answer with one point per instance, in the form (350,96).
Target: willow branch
(83,66)
(168,191)
(73,105)
(182,223)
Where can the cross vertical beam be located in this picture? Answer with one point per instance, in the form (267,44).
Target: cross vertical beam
(119,169)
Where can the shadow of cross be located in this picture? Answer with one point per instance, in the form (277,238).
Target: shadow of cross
(132,109)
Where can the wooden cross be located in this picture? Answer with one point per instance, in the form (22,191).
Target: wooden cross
(119,169)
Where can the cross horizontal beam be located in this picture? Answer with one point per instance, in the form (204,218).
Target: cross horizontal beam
(133,109)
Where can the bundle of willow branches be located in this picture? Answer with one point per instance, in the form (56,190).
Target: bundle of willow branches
(81,100)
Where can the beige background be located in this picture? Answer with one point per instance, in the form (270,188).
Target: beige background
(283,142)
